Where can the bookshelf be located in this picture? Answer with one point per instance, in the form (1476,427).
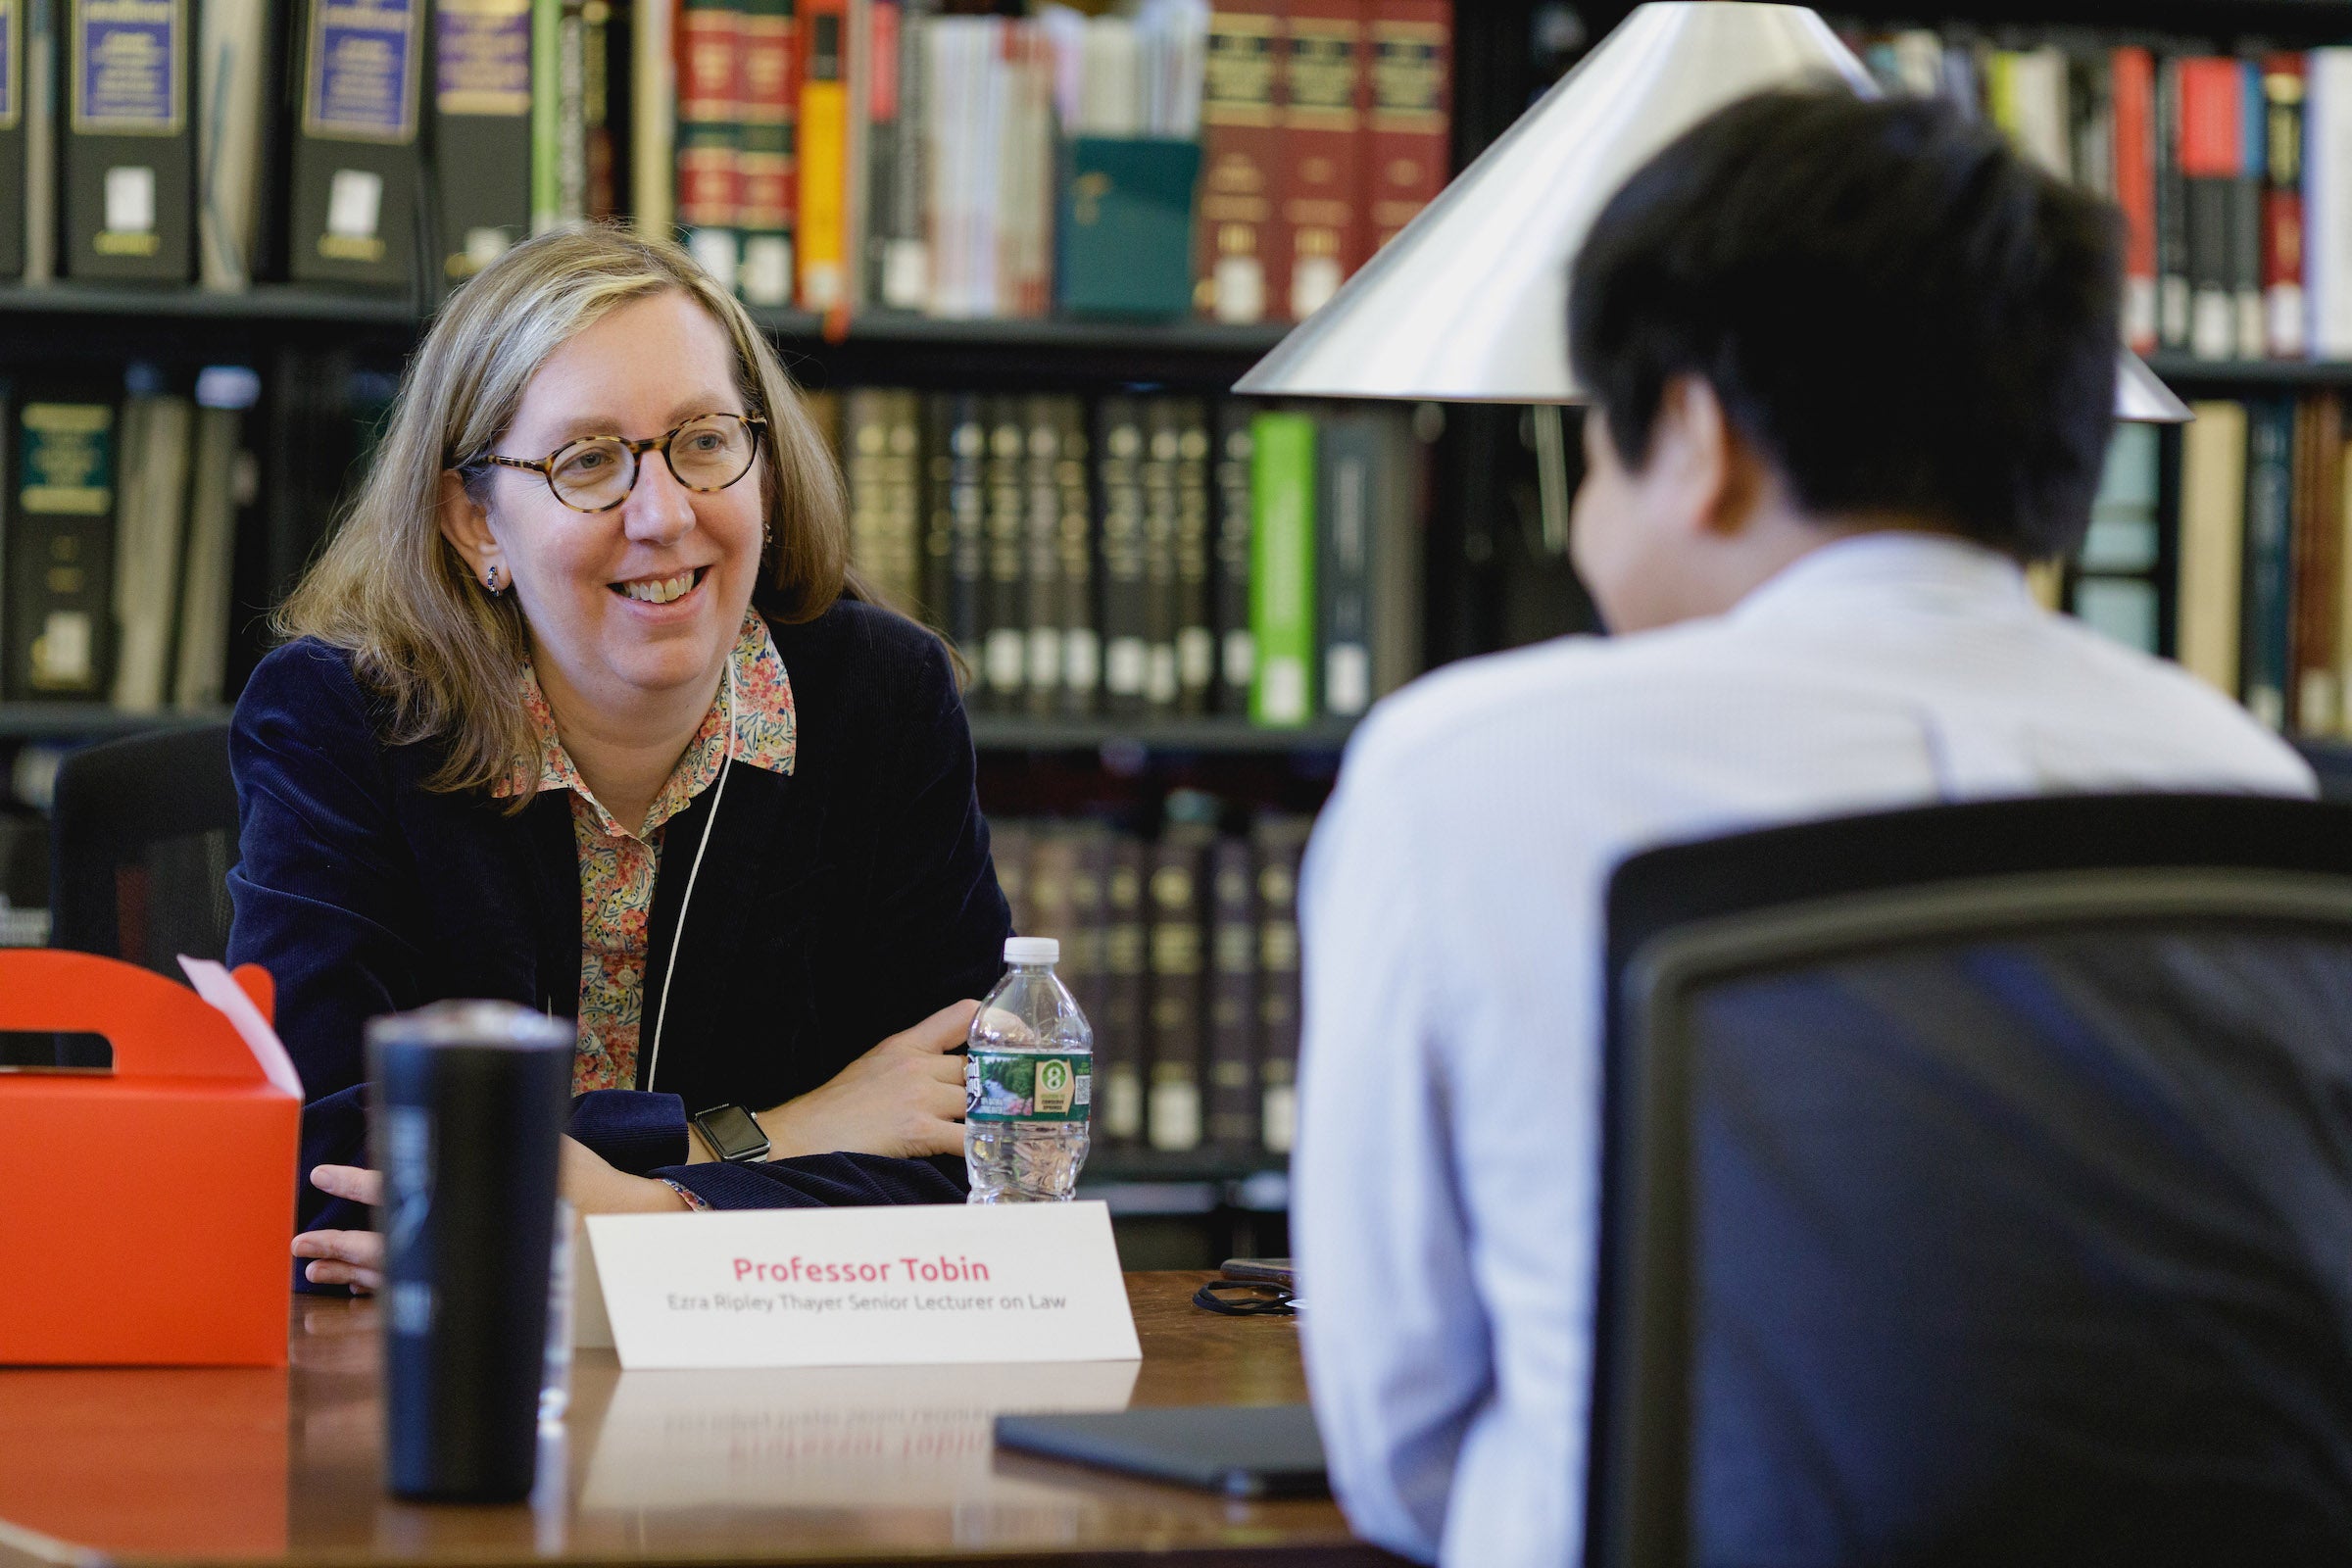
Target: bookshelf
(94,721)
(1488,580)
(1163,737)
(2186,373)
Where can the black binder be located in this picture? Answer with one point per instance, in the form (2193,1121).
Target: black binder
(482,130)
(357,171)
(12,138)
(129,159)
(63,488)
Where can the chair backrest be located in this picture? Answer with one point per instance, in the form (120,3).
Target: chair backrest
(1978,1188)
(143,833)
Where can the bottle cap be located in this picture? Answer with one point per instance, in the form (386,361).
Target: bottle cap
(1032,949)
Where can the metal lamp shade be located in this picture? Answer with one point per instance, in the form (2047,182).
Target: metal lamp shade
(1469,302)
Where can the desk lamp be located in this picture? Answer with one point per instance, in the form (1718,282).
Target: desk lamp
(1469,302)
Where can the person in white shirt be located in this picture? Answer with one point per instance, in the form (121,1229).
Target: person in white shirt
(1850,362)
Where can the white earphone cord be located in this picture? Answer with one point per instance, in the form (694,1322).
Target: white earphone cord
(677,938)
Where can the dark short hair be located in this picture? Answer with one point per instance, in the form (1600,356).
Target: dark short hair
(1902,313)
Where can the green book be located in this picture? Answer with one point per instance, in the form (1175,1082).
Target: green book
(547,115)
(1282,568)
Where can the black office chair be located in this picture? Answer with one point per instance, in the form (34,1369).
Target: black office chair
(142,835)
(1977,1189)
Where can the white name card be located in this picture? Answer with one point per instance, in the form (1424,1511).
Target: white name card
(863,1287)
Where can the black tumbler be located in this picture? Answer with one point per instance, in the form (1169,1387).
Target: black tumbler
(468,1102)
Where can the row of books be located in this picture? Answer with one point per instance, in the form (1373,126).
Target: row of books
(2234,172)
(118,539)
(2264,568)
(837,154)
(1145,553)
(1183,949)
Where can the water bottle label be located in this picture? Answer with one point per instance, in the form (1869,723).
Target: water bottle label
(1020,1086)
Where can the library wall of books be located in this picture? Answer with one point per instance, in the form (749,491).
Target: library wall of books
(1017,253)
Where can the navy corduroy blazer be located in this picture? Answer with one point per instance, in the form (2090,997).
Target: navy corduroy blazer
(837,904)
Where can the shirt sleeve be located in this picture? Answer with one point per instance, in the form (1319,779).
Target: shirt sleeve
(320,890)
(1397,1352)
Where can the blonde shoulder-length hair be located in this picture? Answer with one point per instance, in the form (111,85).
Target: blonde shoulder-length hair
(391,590)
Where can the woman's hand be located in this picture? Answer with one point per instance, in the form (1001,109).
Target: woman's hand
(903,1098)
(346,1257)
(357,1258)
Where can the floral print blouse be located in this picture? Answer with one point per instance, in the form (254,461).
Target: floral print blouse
(617,865)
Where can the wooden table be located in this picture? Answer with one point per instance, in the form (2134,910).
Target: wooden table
(836,1465)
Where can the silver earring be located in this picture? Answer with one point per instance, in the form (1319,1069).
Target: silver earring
(491,581)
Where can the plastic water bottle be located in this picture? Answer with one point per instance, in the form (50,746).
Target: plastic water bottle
(1027,1083)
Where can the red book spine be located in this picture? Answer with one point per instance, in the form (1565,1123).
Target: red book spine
(1410,45)
(764,164)
(710,56)
(2212,119)
(2134,99)
(2283,89)
(1237,273)
(1321,186)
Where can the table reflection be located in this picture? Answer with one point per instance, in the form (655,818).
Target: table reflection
(824,1435)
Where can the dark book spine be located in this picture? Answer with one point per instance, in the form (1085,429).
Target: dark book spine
(2269,522)
(2211,156)
(967,526)
(1348,453)
(61,552)
(1279,842)
(1076,578)
(879,145)
(129,124)
(903,473)
(1195,637)
(1234,1113)
(2251,340)
(1083,951)
(1041,587)
(482,130)
(2319,567)
(1156,474)
(906,258)
(865,465)
(12,138)
(1005,617)
(2174,294)
(357,174)
(1119,1034)
(937,468)
(1179,918)
(1119,454)
(600,105)
(1237,651)
(2282,88)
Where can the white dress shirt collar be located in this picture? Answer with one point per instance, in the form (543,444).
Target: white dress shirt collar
(1890,566)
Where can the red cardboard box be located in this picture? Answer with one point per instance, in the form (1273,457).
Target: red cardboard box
(145,1213)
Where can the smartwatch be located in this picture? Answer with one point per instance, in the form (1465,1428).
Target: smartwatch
(732,1133)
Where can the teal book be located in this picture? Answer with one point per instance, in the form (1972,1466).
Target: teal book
(1282,568)
(1126,227)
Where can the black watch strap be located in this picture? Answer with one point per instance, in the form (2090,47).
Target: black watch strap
(732,1133)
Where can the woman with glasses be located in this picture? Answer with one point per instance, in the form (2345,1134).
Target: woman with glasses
(581,709)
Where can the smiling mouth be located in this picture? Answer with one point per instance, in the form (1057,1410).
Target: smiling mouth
(660,590)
